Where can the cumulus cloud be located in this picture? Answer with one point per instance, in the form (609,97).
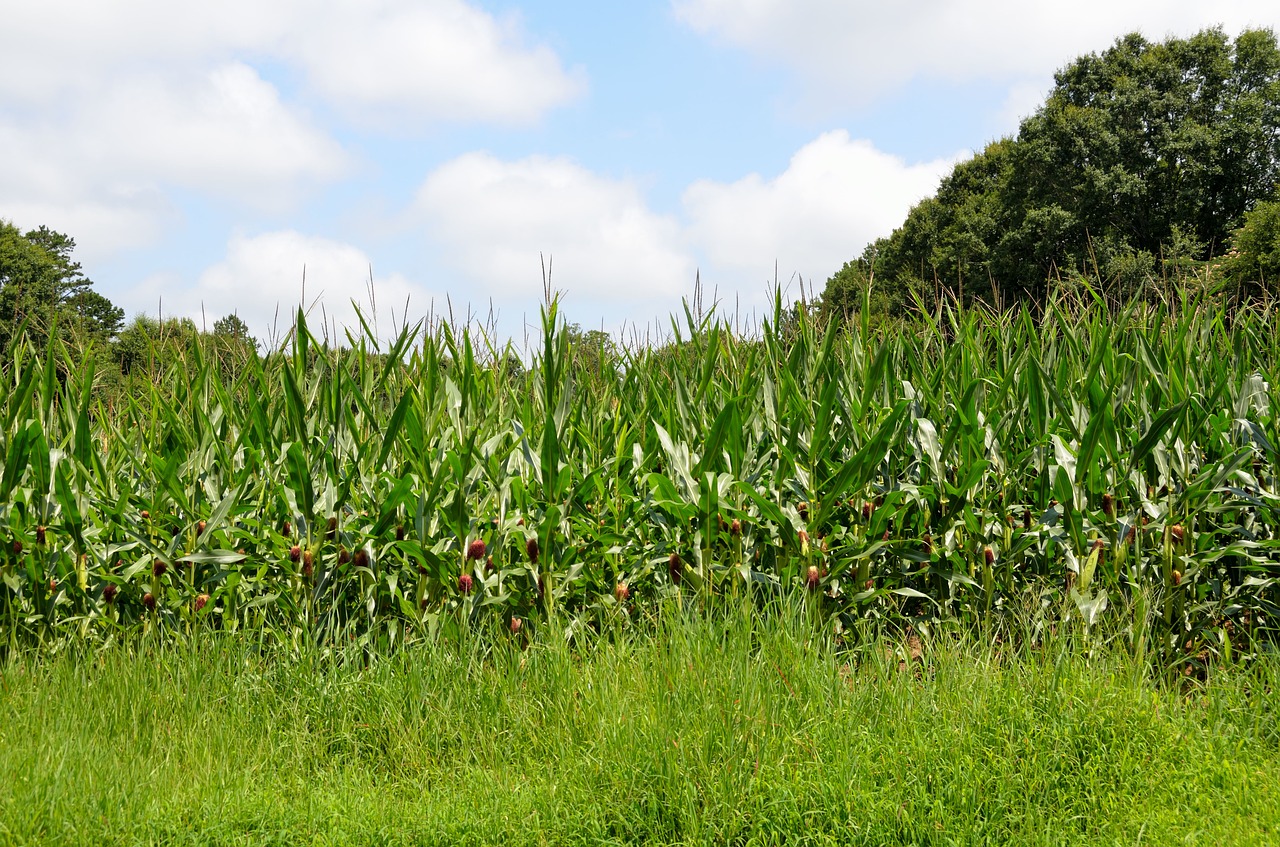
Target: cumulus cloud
(103,170)
(414,62)
(115,106)
(391,60)
(491,219)
(836,195)
(267,277)
(225,132)
(859,50)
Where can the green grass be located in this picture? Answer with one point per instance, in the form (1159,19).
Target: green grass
(704,732)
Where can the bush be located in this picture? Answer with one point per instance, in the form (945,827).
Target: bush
(1254,260)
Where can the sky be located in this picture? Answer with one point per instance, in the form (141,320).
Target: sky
(418,158)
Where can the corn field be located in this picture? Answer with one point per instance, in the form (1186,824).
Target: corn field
(1113,472)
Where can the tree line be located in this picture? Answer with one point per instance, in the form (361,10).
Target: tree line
(1148,166)
(47,303)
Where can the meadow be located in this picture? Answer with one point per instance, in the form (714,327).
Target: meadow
(975,578)
(738,730)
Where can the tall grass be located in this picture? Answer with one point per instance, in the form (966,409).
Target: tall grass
(712,730)
(1114,472)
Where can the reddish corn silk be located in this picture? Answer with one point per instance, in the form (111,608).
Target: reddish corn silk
(465,583)
(201,527)
(295,554)
(812,578)
(476,549)
(145,515)
(344,555)
(201,602)
(286,529)
(621,592)
(158,568)
(109,592)
(989,555)
(735,528)
(149,601)
(515,626)
(1177,533)
(400,533)
(675,568)
(308,563)
(362,558)
(17,547)
(531,548)
(40,538)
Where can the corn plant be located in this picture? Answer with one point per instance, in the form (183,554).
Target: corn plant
(1112,472)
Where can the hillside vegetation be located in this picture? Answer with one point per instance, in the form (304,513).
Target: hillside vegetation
(1147,164)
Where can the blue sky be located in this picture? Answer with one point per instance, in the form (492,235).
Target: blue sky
(202,156)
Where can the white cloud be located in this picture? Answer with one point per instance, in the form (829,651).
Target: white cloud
(112,108)
(395,61)
(104,169)
(225,132)
(835,196)
(491,219)
(412,63)
(858,50)
(262,276)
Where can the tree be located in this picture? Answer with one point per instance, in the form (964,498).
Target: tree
(1254,261)
(100,317)
(1138,155)
(592,351)
(232,343)
(149,345)
(39,283)
(232,327)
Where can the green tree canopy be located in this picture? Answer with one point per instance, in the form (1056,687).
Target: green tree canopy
(1145,152)
(39,282)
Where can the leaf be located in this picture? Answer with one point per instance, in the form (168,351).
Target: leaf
(213,557)
(1155,432)
(392,430)
(300,478)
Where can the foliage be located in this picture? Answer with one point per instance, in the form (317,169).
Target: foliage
(39,282)
(706,732)
(1254,261)
(152,346)
(1101,468)
(1136,155)
(853,290)
(592,351)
